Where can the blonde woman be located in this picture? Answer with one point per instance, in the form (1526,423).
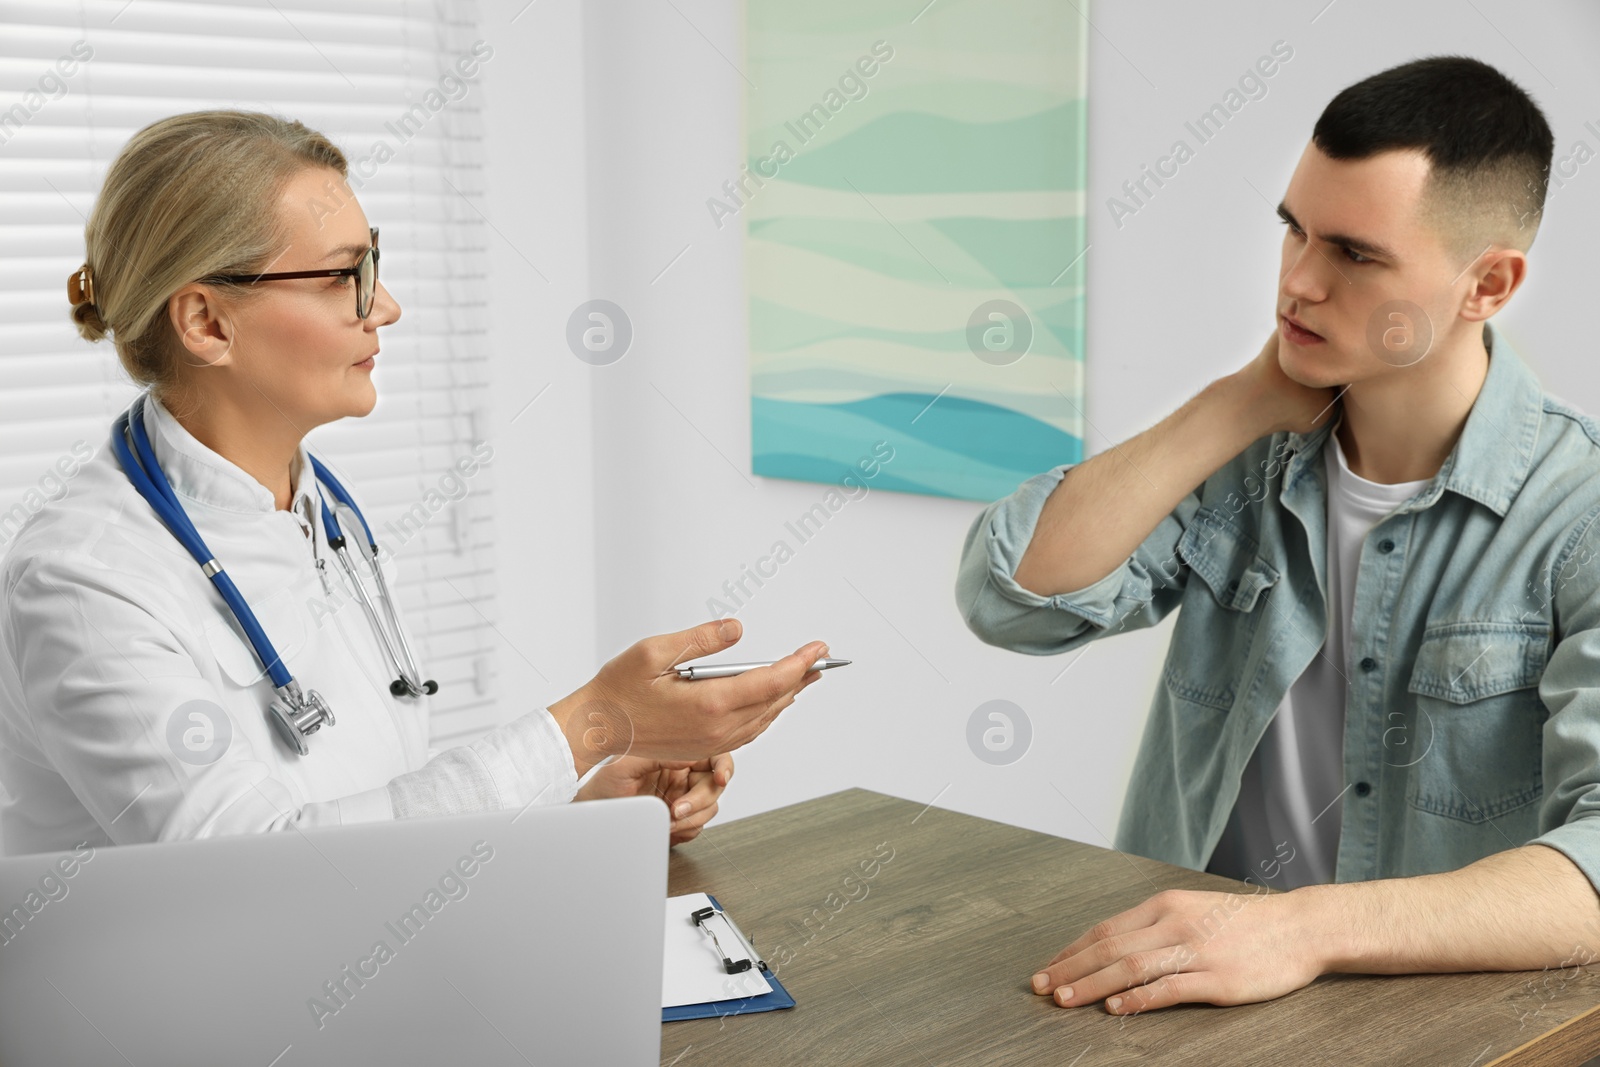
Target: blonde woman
(179,653)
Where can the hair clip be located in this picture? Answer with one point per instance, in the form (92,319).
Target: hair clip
(80,286)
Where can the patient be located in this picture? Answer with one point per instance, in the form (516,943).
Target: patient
(1383,687)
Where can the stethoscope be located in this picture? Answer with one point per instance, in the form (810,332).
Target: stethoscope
(296,714)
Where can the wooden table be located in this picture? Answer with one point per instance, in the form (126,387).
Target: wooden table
(926,960)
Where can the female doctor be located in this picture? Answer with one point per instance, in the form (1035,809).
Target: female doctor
(135,703)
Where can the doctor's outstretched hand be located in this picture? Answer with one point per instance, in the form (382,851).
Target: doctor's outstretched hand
(638,705)
(690,790)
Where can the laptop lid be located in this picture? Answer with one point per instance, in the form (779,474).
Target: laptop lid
(498,938)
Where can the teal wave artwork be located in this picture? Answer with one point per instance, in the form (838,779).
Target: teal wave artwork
(912,200)
(956,448)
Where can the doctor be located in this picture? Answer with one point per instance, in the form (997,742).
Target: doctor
(134,704)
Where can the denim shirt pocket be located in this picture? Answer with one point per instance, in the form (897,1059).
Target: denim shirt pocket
(1480,718)
(1220,614)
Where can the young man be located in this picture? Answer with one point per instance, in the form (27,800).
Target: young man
(1383,687)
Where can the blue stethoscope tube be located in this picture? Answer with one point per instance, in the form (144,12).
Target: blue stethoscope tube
(296,714)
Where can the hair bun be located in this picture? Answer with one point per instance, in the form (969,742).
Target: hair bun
(90,326)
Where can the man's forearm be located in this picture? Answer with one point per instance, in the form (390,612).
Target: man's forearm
(1105,507)
(1523,909)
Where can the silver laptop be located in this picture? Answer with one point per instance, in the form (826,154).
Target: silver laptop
(505,938)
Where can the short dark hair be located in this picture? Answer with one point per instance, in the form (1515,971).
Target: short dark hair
(1488,145)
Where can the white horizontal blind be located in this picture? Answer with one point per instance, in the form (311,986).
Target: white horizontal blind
(364,73)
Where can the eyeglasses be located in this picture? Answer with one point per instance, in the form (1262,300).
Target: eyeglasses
(365,273)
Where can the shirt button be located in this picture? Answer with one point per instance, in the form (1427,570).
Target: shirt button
(1362,789)
(1369,664)
(1386,546)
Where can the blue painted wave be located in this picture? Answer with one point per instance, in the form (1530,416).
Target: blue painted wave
(960,448)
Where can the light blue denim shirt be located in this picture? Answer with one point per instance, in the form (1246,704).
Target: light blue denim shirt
(1472,722)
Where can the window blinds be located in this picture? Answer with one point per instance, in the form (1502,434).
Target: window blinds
(398,88)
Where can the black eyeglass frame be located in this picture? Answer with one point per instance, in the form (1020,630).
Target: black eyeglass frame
(336,272)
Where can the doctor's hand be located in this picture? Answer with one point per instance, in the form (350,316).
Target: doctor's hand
(1184,945)
(638,706)
(690,790)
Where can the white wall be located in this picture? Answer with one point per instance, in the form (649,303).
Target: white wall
(606,169)
(535,130)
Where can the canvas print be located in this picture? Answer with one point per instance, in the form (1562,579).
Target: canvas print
(912,203)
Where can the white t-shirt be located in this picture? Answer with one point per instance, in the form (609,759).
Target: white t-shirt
(1284,828)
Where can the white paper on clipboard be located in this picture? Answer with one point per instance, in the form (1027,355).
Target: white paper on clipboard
(692,971)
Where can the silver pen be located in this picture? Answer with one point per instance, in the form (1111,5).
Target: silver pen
(728,670)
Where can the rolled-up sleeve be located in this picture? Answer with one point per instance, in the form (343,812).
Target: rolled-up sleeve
(1569,815)
(1138,593)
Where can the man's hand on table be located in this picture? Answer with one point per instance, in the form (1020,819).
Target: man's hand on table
(1183,945)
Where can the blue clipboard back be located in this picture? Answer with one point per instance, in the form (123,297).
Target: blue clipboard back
(777,999)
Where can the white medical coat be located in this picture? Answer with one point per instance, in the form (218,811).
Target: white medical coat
(132,708)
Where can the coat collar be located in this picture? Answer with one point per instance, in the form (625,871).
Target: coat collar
(205,477)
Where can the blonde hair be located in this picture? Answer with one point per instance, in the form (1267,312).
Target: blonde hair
(188,197)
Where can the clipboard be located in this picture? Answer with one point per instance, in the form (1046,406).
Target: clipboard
(774,1000)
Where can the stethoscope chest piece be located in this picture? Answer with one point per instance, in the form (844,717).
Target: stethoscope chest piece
(296,715)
